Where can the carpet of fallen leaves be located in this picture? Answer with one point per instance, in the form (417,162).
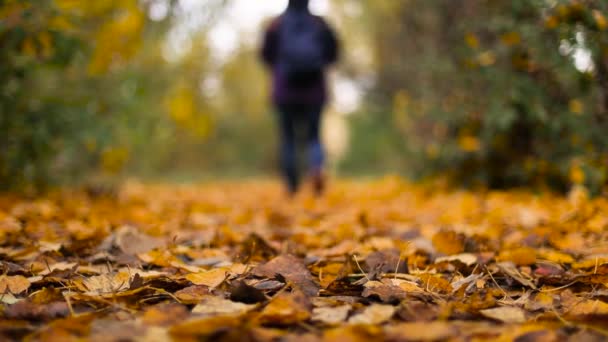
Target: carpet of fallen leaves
(371,260)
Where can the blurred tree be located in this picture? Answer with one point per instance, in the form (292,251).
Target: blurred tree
(501,93)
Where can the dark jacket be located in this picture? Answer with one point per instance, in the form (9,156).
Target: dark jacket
(282,93)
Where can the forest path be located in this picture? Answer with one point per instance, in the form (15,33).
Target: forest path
(379,259)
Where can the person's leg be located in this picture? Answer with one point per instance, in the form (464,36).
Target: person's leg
(288,147)
(316,152)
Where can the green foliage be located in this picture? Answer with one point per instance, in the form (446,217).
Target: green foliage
(490,92)
(86,91)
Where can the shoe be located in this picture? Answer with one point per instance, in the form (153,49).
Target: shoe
(318,182)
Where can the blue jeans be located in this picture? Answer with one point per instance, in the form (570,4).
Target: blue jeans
(299,124)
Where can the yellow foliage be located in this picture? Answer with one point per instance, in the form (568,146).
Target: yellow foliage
(551,22)
(576,106)
(469,143)
(471,40)
(182,108)
(28,47)
(117,40)
(486,58)
(600,20)
(46,44)
(576,174)
(114,159)
(510,38)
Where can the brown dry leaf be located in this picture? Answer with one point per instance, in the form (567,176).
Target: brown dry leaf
(105,284)
(192,294)
(420,331)
(448,242)
(212,305)
(465,258)
(165,314)
(505,314)
(199,328)
(509,269)
(586,307)
(374,314)
(386,293)
(212,278)
(287,308)
(292,269)
(541,301)
(60,266)
(131,240)
(13,284)
(331,315)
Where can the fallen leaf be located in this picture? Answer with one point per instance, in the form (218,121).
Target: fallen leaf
(448,242)
(505,314)
(374,314)
(331,315)
(13,284)
(105,284)
(465,258)
(192,294)
(420,331)
(287,308)
(292,269)
(203,327)
(212,305)
(132,241)
(165,314)
(212,278)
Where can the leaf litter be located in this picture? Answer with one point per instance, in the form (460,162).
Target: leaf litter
(236,261)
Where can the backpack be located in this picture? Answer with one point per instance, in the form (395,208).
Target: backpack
(301,51)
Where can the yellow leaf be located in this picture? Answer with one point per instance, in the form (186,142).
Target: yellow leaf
(510,38)
(448,242)
(471,40)
(486,58)
(212,278)
(522,256)
(576,106)
(551,22)
(600,20)
(469,143)
(576,174)
(114,159)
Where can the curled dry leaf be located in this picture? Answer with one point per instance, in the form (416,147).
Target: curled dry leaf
(374,314)
(132,241)
(212,278)
(292,269)
(331,315)
(192,294)
(105,284)
(13,284)
(505,314)
(465,258)
(287,308)
(212,305)
(420,331)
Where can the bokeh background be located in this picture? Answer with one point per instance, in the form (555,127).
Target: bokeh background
(484,93)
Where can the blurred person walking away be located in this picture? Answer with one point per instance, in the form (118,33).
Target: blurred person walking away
(298,48)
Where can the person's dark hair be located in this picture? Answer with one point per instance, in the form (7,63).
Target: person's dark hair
(298,4)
